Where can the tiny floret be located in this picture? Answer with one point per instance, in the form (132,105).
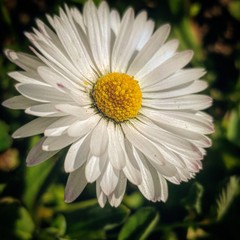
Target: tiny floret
(118,96)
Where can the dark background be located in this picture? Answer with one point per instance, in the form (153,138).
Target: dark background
(207,207)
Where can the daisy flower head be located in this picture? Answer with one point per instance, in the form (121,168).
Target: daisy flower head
(118,95)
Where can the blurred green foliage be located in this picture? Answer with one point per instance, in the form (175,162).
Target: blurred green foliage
(207,207)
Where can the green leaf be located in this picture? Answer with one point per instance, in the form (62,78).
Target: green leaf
(234,8)
(38,179)
(187,35)
(5,139)
(59,223)
(140,224)
(24,226)
(227,196)
(134,200)
(56,230)
(194,199)
(196,233)
(5,14)
(194,9)
(168,234)
(54,196)
(233,126)
(15,220)
(86,220)
(2,187)
(231,159)
(176,7)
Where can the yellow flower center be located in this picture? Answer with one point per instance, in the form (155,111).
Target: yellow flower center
(118,96)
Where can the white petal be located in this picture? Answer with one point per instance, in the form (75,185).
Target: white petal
(184,174)
(151,187)
(171,161)
(55,79)
(75,184)
(162,55)
(121,42)
(109,179)
(167,68)
(147,185)
(192,102)
(156,183)
(198,139)
(59,126)
(80,128)
(25,61)
(72,38)
(26,77)
(102,199)
(143,144)
(180,77)
(149,49)
(59,69)
(37,155)
(92,170)
(42,93)
(47,32)
(57,143)
(115,146)
(193,87)
(34,127)
(80,112)
(134,40)
(104,20)
(94,167)
(77,154)
(115,21)
(82,45)
(146,34)
(116,197)
(19,102)
(98,36)
(164,188)
(99,139)
(171,141)
(44,110)
(81,98)
(54,56)
(53,53)
(169,169)
(184,120)
(77,16)
(126,47)
(206,116)
(192,165)
(174,179)
(131,170)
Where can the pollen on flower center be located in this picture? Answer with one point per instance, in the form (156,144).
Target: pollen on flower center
(118,96)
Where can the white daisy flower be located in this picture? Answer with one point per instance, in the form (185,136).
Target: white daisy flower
(118,95)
